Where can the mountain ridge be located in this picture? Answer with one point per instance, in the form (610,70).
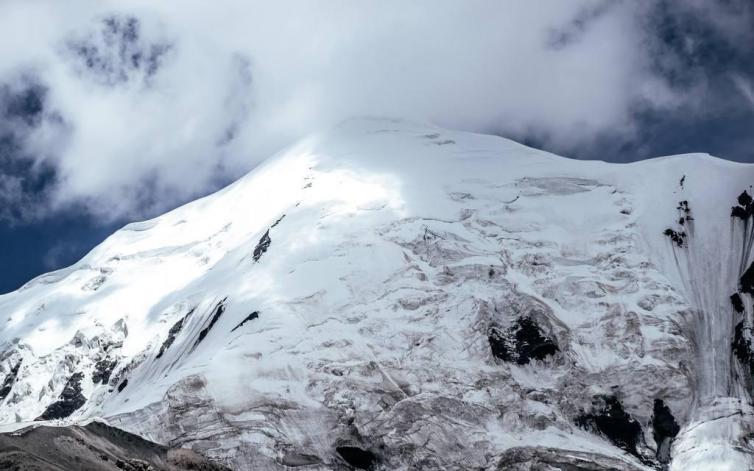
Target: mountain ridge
(432,298)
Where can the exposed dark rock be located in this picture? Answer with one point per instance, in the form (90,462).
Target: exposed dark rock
(219,309)
(521,343)
(294,459)
(513,200)
(746,283)
(609,419)
(678,238)
(250,317)
(108,346)
(357,457)
(103,369)
(737,302)
(10,378)
(683,206)
(499,344)
(745,208)
(173,333)
(278,221)
(739,212)
(664,430)
(530,343)
(745,200)
(94,447)
(120,376)
(531,458)
(71,399)
(742,347)
(262,246)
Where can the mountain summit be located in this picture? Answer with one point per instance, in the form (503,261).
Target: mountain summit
(391,295)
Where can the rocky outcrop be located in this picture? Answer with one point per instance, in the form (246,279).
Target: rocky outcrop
(522,343)
(70,400)
(535,458)
(250,317)
(608,418)
(214,317)
(357,457)
(664,430)
(262,246)
(93,447)
(10,378)
(103,369)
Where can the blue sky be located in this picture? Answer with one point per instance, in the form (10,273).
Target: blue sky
(112,112)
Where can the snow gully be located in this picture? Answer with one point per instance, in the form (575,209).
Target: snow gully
(719,281)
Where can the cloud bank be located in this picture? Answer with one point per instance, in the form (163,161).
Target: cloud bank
(124,109)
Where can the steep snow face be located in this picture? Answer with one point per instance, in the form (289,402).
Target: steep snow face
(391,295)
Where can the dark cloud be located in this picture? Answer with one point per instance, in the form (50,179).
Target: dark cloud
(115,52)
(24,179)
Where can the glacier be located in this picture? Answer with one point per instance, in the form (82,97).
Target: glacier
(394,295)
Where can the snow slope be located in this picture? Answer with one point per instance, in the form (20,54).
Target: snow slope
(400,296)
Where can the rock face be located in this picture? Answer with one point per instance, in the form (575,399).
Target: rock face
(70,400)
(432,300)
(522,344)
(10,378)
(665,429)
(609,419)
(93,447)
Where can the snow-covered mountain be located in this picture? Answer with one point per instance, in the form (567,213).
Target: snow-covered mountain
(390,295)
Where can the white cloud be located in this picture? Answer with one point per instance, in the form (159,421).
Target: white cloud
(235,80)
